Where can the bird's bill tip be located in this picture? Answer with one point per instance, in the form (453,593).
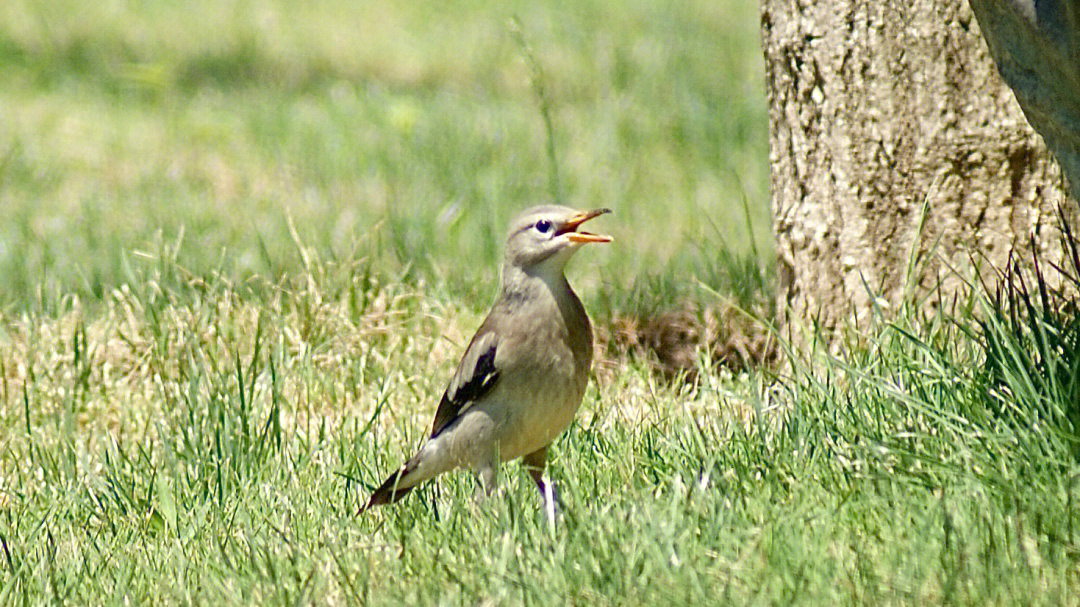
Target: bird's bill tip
(582,216)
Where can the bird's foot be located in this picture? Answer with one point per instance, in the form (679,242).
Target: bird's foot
(550,497)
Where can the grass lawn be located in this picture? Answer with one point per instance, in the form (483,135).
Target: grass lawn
(241,248)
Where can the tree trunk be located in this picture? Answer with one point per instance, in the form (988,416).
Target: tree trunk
(897,153)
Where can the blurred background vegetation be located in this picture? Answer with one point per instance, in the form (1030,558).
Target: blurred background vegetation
(399,135)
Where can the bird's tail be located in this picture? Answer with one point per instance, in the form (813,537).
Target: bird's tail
(392,489)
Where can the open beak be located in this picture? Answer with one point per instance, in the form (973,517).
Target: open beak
(570,228)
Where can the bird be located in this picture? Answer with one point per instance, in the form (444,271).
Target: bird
(523,375)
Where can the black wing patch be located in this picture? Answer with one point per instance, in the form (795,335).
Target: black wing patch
(468,384)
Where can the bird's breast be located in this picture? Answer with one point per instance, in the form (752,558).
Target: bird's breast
(544,368)
(535,402)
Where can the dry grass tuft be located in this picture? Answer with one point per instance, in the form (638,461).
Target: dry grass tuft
(672,340)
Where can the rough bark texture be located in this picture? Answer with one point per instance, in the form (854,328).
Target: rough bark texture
(1037,49)
(877,111)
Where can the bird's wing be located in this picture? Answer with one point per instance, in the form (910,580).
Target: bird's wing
(475,376)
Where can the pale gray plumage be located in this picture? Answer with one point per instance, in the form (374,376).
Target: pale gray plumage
(523,374)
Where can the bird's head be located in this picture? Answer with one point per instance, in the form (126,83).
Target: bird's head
(545,237)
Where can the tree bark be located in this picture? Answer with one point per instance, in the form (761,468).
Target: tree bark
(897,153)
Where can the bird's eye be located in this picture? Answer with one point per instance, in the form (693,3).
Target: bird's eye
(543,226)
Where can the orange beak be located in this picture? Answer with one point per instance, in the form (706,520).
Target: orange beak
(570,227)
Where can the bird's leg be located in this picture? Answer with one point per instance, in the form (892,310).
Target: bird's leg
(488,474)
(534,464)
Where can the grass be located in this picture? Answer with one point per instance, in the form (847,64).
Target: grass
(384,132)
(242,247)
